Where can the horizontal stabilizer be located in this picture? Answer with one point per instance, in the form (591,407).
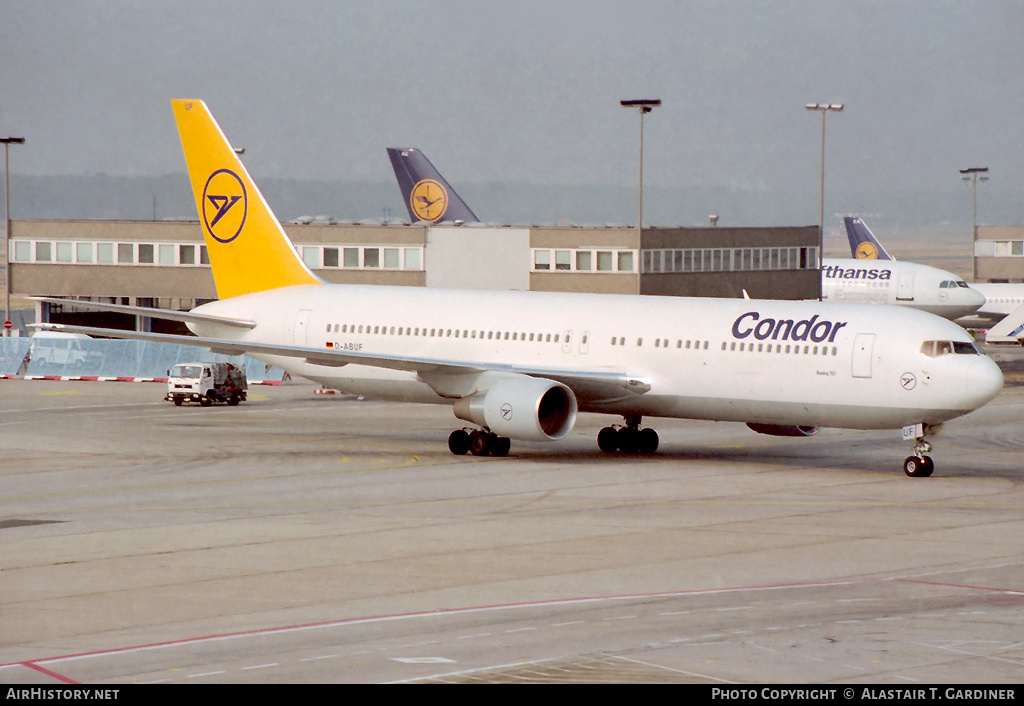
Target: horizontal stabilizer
(166,314)
(1009,330)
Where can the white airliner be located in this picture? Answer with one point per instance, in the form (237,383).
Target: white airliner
(522,365)
(1000,298)
(899,283)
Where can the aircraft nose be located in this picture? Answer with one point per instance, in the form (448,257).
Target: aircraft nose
(984,381)
(974,297)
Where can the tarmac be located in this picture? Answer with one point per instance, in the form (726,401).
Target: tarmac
(306,537)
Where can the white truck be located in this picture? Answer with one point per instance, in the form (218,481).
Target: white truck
(206,383)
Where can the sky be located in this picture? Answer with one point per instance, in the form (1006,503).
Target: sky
(526,92)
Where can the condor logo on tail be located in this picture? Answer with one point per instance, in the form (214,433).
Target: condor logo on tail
(224,205)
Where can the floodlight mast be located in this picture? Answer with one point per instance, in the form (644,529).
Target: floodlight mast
(971,176)
(824,109)
(644,106)
(7,142)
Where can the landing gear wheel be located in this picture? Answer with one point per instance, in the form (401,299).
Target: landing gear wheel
(501,446)
(479,443)
(647,441)
(608,440)
(918,467)
(458,442)
(628,440)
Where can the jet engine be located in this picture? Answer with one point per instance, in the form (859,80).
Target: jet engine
(783,430)
(522,407)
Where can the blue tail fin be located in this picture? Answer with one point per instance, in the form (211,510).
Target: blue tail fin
(426,193)
(863,244)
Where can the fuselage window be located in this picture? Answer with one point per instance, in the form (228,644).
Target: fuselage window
(639,342)
(705,345)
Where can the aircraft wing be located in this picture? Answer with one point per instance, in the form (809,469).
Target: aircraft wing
(447,377)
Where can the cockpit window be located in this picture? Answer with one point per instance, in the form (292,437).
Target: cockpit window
(933,349)
(961,283)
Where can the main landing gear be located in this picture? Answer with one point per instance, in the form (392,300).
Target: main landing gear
(630,439)
(919,465)
(478,443)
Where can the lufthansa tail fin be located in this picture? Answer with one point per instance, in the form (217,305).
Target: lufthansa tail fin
(863,244)
(249,250)
(426,193)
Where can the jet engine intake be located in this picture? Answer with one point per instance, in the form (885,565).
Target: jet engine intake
(783,430)
(522,407)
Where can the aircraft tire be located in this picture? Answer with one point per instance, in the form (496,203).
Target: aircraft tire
(647,441)
(628,440)
(608,440)
(458,442)
(479,444)
(918,467)
(502,445)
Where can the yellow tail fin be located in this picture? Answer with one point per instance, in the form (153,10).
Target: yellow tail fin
(249,251)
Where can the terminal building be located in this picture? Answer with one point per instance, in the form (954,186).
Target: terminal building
(163,263)
(999,254)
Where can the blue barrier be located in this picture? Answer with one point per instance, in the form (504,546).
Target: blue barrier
(100,357)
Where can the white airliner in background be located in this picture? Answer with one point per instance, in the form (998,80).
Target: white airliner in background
(899,283)
(1001,298)
(522,365)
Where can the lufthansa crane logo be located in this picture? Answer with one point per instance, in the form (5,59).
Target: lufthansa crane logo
(428,200)
(867,251)
(908,381)
(224,205)
(506,411)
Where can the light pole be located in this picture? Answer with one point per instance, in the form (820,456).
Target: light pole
(7,142)
(644,106)
(973,175)
(824,109)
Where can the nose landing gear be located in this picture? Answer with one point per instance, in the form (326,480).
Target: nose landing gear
(919,465)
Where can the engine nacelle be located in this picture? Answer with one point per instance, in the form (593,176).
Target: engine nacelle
(782,430)
(522,407)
